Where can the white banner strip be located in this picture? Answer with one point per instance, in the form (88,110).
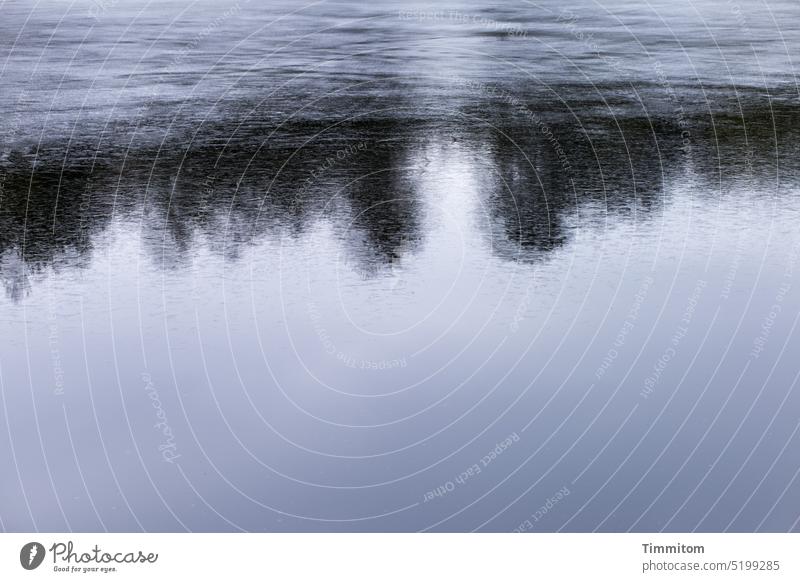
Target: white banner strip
(400,557)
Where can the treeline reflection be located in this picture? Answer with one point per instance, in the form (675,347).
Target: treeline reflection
(234,184)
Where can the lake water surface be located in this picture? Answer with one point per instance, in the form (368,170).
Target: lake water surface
(346,266)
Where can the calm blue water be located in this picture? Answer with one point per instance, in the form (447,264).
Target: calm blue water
(388,267)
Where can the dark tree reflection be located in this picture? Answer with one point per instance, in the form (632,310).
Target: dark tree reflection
(232,185)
